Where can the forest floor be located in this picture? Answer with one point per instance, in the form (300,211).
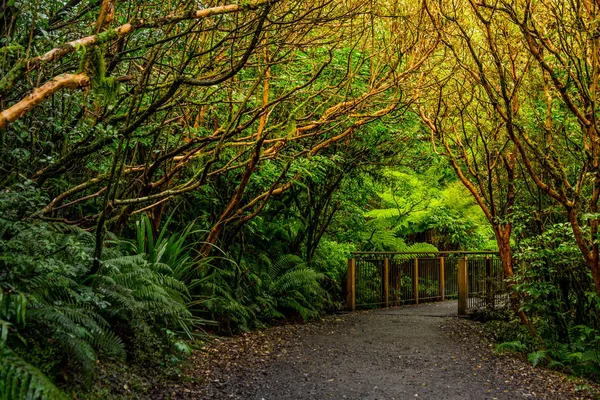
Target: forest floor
(409,352)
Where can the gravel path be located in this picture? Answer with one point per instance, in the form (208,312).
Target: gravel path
(412,352)
(387,354)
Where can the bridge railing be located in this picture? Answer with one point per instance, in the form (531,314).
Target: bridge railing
(384,279)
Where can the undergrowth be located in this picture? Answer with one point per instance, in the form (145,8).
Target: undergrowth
(579,357)
(57,320)
(61,326)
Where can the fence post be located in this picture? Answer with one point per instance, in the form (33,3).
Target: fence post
(416,281)
(351,296)
(463,286)
(386,283)
(490,295)
(442,280)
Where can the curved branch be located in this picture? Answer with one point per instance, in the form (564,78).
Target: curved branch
(67,81)
(22,67)
(223,77)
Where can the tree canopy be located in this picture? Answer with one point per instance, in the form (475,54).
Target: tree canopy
(166,166)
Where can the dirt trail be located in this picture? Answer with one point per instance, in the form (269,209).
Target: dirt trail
(413,352)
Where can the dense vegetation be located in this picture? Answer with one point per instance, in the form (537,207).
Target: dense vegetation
(173,168)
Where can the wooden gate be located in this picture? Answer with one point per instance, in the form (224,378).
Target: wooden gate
(385,279)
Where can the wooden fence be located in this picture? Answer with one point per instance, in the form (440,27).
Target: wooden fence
(387,279)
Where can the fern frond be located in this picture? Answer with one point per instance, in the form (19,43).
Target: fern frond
(299,277)
(383,213)
(108,342)
(21,380)
(283,264)
(79,352)
(537,357)
(128,262)
(515,347)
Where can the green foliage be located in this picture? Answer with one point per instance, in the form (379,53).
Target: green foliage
(94,64)
(21,380)
(57,320)
(579,357)
(424,206)
(167,249)
(559,295)
(333,258)
(537,357)
(249,296)
(294,286)
(221,297)
(373,186)
(514,346)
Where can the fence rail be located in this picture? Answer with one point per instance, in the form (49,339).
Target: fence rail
(383,279)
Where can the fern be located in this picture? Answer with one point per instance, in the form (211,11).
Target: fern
(46,296)
(537,357)
(13,306)
(562,353)
(21,380)
(284,263)
(554,364)
(383,213)
(298,278)
(294,286)
(515,347)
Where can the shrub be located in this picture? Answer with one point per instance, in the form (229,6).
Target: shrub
(57,319)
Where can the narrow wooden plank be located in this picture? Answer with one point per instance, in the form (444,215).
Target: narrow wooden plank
(416,281)
(386,283)
(463,286)
(442,280)
(351,296)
